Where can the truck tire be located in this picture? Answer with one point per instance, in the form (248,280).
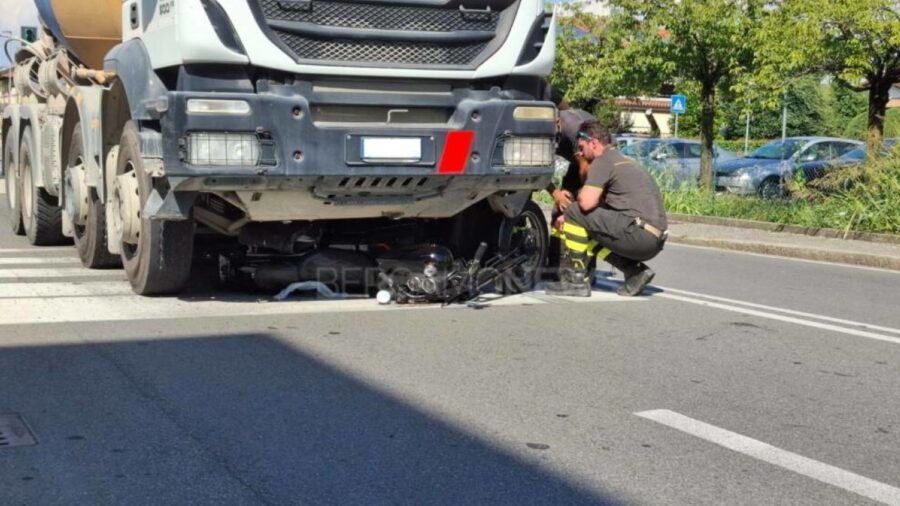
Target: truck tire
(528,231)
(90,238)
(159,261)
(40,214)
(13,190)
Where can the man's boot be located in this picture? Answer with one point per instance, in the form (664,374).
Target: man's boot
(574,276)
(637,275)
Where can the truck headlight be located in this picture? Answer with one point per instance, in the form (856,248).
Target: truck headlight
(216,106)
(527,152)
(534,113)
(229,149)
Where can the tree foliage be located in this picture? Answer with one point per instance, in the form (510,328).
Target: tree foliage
(707,42)
(856,41)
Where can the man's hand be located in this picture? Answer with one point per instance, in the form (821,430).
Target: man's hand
(563,199)
(583,166)
(560,221)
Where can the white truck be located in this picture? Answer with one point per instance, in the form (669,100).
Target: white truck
(145,128)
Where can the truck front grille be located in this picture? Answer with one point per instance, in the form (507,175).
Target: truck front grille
(379,17)
(327,32)
(415,53)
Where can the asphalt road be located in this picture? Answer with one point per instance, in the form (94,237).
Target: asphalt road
(740,380)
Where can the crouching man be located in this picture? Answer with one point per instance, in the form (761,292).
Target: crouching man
(619,217)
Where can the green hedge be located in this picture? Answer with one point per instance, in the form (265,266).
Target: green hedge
(737,146)
(856,129)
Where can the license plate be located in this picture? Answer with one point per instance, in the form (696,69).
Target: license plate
(391,148)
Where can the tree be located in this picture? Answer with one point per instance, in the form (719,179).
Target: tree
(579,51)
(708,42)
(856,41)
(809,113)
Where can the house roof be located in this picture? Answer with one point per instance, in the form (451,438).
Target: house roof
(657,104)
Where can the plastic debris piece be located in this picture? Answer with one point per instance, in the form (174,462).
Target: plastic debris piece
(383,297)
(309,286)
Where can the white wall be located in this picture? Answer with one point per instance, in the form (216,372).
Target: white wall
(640,124)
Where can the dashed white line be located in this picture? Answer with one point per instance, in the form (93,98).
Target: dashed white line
(799,464)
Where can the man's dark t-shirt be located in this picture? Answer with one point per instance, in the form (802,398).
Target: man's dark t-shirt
(627,188)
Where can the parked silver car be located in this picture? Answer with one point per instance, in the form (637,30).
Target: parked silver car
(625,140)
(857,156)
(677,161)
(765,170)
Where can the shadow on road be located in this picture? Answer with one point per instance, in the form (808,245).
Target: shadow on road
(241,419)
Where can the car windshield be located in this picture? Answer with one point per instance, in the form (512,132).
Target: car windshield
(643,148)
(855,154)
(777,150)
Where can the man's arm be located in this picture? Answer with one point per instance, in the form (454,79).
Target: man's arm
(589,198)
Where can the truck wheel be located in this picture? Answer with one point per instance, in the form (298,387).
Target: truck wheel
(156,253)
(12,185)
(90,236)
(40,214)
(529,234)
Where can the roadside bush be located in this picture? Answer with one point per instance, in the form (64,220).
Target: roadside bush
(864,199)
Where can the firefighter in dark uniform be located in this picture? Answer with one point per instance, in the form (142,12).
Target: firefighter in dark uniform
(619,217)
(570,121)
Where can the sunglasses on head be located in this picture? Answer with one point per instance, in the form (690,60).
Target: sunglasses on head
(582,135)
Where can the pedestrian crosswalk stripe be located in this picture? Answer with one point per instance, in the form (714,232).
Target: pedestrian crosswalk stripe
(61,272)
(69,289)
(37,261)
(48,289)
(37,251)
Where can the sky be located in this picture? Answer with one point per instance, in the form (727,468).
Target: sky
(14,14)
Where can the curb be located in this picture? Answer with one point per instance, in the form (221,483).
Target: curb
(862,259)
(828,233)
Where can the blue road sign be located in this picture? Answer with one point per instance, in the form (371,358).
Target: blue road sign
(679,104)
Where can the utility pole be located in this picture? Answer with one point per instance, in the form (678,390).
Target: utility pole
(747,136)
(784,117)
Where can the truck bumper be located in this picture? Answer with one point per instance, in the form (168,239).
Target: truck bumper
(312,167)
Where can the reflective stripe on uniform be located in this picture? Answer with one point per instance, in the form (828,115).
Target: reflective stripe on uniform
(575,230)
(603,253)
(578,247)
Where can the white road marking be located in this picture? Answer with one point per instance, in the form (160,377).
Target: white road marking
(61,272)
(102,308)
(771,315)
(37,261)
(64,302)
(785,311)
(778,257)
(799,464)
(70,289)
(36,251)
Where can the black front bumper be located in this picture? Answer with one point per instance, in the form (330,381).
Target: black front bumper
(321,165)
